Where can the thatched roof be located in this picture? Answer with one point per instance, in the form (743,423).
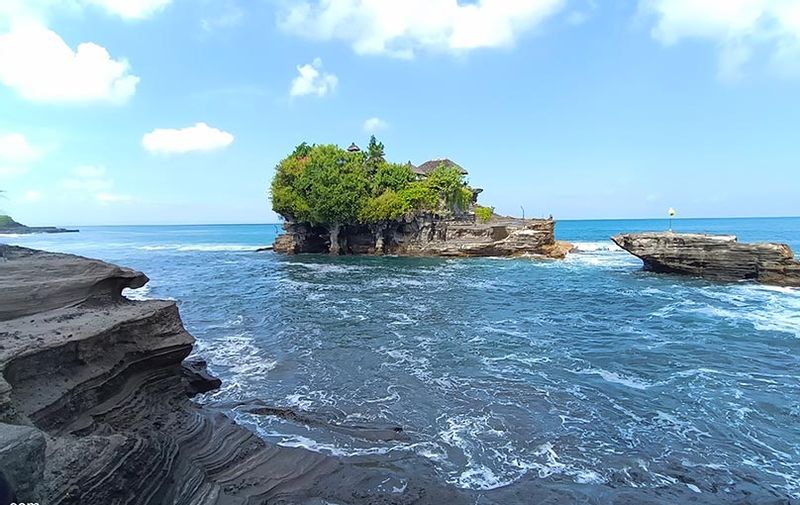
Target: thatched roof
(430,166)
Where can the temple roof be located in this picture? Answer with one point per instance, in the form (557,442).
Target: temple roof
(429,166)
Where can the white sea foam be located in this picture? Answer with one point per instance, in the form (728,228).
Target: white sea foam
(139,294)
(616,378)
(201,247)
(606,245)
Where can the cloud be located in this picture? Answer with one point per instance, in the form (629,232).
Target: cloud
(199,137)
(312,80)
(90,181)
(16,154)
(32,196)
(130,9)
(375,124)
(402,28)
(738,27)
(15,148)
(113,198)
(7,172)
(42,10)
(41,67)
(231,16)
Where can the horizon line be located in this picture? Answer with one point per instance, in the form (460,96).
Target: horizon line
(278,223)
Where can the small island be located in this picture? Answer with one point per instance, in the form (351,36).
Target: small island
(9,226)
(349,201)
(713,257)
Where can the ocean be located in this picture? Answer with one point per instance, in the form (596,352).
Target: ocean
(586,370)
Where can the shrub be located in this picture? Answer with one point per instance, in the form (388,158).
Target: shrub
(484,214)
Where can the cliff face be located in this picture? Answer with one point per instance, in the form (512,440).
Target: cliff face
(715,257)
(428,236)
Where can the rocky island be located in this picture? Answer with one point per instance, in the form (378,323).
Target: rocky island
(341,201)
(9,226)
(714,257)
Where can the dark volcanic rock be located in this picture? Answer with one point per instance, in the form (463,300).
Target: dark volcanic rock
(430,236)
(715,257)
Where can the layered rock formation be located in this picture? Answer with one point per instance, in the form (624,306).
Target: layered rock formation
(715,257)
(427,235)
(8,225)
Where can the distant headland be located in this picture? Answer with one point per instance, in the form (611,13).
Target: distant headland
(9,226)
(353,201)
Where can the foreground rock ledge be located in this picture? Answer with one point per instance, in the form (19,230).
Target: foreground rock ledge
(428,236)
(714,257)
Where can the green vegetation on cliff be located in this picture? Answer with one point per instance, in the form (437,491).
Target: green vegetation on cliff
(324,184)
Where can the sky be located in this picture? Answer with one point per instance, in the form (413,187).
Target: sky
(177,111)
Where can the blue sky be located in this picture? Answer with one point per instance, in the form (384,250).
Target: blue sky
(178,110)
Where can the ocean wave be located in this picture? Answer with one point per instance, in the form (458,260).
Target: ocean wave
(605,246)
(201,247)
(616,378)
(139,294)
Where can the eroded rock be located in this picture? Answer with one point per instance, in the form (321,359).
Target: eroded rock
(430,236)
(715,257)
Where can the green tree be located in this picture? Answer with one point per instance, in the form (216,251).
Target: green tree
(376,155)
(389,206)
(449,184)
(394,176)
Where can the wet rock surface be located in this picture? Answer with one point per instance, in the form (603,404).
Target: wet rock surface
(714,257)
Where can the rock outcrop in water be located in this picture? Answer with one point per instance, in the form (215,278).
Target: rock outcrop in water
(9,226)
(715,257)
(427,235)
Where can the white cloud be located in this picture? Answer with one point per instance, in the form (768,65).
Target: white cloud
(130,9)
(375,124)
(90,181)
(40,66)
(312,80)
(401,28)
(7,172)
(104,197)
(15,148)
(42,10)
(230,16)
(89,172)
(738,27)
(32,196)
(199,137)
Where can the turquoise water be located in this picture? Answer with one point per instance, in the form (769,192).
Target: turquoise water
(586,370)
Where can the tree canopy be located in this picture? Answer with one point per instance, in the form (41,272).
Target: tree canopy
(324,184)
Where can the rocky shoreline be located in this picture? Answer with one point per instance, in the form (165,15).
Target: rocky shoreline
(714,257)
(96,408)
(428,235)
(8,226)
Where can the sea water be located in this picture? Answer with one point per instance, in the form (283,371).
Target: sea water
(586,370)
